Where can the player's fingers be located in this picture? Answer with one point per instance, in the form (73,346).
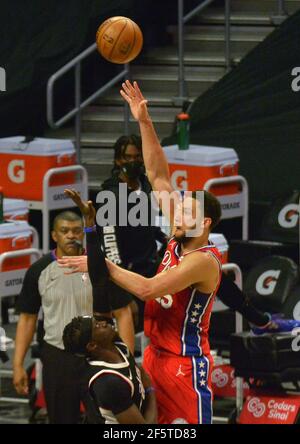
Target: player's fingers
(73,195)
(70,264)
(65,266)
(21,385)
(63,260)
(67,263)
(72,258)
(125,96)
(75,192)
(76,196)
(126,90)
(130,87)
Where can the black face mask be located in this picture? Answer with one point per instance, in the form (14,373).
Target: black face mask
(133,170)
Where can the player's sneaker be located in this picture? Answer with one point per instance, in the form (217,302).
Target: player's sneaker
(277,324)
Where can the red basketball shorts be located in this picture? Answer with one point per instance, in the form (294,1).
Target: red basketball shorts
(182,385)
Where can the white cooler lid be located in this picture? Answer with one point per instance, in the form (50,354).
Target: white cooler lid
(12,205)
(38,147)
(14,228)
(220,241)
(201,155)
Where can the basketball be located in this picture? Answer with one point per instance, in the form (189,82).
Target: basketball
(119,40)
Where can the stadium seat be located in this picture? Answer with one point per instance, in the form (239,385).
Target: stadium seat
(270,282)
(279,235)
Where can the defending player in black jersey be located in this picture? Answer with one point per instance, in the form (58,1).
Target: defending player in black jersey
(120,390)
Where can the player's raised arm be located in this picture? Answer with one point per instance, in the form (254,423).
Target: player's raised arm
(155,160)
(154,157)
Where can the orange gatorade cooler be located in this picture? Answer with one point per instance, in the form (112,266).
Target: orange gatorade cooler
(221,243)
(16,209)
(191,169)
(23,165)
(15,235)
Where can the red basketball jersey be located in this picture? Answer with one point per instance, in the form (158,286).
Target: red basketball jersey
(178,323)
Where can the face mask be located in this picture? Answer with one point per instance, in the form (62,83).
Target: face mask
(133,169)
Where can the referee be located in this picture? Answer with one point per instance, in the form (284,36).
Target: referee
(61,298)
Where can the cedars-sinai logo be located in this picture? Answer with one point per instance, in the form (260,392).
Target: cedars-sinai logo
(2,79)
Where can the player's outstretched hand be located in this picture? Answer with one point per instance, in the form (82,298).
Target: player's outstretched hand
(86,207)
(75,264)
(133,96)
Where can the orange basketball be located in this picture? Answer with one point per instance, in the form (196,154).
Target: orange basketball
(119,40)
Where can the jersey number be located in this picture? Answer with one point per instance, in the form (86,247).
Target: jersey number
(165,301)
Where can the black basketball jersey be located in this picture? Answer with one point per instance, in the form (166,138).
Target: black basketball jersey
(114,387)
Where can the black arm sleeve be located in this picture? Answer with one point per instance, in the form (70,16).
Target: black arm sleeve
(230,294)
(112,393)
(110,238)
(98,273)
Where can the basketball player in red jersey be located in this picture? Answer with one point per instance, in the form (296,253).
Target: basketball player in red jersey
(179,298)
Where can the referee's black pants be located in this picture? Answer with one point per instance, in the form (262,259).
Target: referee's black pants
(65,386)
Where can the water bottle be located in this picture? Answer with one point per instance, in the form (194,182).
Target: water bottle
(183,131)
(1,206)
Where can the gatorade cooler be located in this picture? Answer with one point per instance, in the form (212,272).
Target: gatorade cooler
(191,169)
(222,245)
(23,165)
(15,209)
(14,236)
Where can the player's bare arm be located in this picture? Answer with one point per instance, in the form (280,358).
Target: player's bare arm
(154,157)
(198,270)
